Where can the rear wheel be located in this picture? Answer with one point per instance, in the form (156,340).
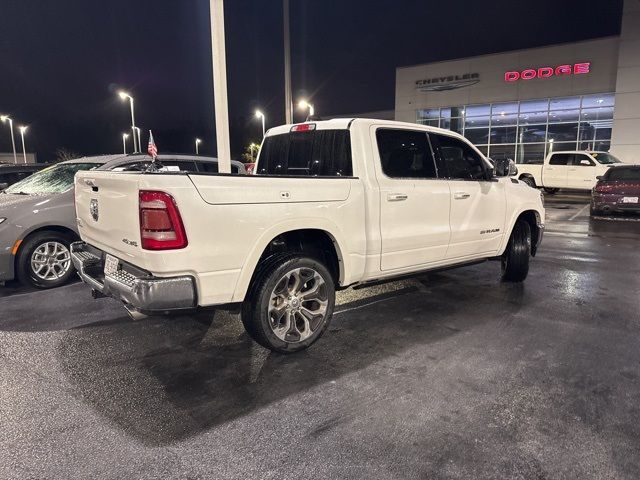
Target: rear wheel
(529,181)
(515,259)
(44,260)
(290,303)
(551,191)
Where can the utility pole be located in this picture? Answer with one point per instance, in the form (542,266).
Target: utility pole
(288,97)
(220,103)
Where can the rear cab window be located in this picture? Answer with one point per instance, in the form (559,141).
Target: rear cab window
(313,153)
(623,174)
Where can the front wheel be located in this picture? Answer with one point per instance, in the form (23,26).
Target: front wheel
(290,303)
(529,181)
(515,259)
(551,191)
(44,260)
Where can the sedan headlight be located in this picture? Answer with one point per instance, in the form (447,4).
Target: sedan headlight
(2,219)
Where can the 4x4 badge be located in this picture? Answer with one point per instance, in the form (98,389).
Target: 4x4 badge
(93,209)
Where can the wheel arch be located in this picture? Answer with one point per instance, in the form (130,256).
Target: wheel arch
(533,218)
(528,175)
(46,228)
(319,241)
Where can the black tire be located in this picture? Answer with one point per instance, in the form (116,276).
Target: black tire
(551,191)
(515,259)
(528,180)
(24,271)
(255,309)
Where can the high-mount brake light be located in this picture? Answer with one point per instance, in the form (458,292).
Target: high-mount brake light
(161,226)
(303,127)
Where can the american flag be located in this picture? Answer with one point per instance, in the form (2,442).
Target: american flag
(152,149)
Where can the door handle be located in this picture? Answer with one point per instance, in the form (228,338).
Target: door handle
(461,195)
(396,197)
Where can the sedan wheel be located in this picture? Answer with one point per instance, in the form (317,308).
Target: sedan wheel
(44,260)
(50,261)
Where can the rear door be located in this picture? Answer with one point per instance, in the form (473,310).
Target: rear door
(414,203)
(582,172)
(556,171)
(477,206)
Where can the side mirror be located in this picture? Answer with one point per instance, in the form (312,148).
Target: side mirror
(586,163)
(599,177)
(505,167)
(3,186)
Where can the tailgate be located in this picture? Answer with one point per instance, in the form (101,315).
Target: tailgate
(107,211)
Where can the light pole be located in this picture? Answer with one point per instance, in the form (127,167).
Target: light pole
(124,96)
(221,106)
(139,144)
(288,97)
(124,142)
(23,129)
(5,119)
(198,142)
(304,104)
(259,114)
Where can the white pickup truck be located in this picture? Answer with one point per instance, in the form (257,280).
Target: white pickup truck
(571,169)
(334,203)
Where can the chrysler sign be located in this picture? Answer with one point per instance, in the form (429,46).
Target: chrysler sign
(449,82)
(546,72)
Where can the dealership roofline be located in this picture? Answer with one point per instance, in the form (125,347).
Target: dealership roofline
(457,59)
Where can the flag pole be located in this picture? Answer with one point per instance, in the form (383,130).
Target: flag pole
(220,85)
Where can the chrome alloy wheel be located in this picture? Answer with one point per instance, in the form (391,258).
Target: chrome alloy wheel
(298,305)
(50,261)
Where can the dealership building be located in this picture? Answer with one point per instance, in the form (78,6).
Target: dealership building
(523,104)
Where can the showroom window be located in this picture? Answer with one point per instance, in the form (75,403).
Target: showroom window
(528,130)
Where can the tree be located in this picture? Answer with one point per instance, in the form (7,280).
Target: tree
(251,153)
(64,154)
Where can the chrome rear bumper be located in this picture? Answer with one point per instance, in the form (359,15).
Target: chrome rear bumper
(131,285)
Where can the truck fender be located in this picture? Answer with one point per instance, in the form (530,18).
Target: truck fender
(511,224)
(251,263)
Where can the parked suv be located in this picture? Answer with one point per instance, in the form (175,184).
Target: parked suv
(38,221)
(11,173)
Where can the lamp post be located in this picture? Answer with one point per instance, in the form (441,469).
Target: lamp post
(259,114)
(198,142)
(139,144)
(304,104)
(252,147)
(124,96)
(124,143)
(5,119)
(23,129)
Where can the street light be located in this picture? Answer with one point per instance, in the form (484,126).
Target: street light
(5,119)
(23,129)
(304,104)
(251,148)
(198,142)
(124,143)
(124,96)
(259,114)
(139,144)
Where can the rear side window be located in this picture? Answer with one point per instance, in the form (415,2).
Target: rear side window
(624,174)
(405,154)
(560,159)
(324,153)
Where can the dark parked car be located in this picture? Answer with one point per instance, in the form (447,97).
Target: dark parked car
(11,173)
(618,190)
(38,217)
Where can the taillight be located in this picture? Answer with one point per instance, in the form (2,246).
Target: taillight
(303,127)
(161,226)
(602,187)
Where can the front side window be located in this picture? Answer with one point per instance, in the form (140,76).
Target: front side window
(405,154)
(324,153)
(55,179)
(458,158)
(581,160)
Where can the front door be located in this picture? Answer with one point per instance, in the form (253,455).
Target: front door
(582,172)
(478,206)
(414,203)
(555,172)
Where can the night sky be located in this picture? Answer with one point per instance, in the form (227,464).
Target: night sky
(63,61)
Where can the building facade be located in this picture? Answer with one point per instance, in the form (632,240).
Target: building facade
(523,104)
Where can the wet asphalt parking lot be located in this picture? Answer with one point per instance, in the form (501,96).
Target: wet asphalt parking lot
(448,375)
